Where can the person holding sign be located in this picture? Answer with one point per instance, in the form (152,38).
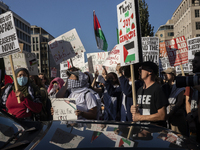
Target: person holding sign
(28,93)
(86,102)
(151,100)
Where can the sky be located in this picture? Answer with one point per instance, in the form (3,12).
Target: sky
(60,16)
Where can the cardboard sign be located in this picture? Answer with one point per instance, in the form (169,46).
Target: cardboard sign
(64,109)
(177,51)
(8,36)
(163,50)
(78,61)
(98,60)
(128,19)
(22,60)
(113,58)
(150,49)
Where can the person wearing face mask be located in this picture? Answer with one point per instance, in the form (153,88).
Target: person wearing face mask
(54,87)
(77,88)
(29,94)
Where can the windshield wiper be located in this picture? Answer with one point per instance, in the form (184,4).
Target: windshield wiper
(15,135)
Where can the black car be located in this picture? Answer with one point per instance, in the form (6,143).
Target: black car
(18,134)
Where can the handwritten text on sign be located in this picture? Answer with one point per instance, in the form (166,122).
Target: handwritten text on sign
(8,36)
(64,109)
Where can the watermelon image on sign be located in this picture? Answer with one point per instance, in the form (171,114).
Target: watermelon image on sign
(128,57)
(132,26)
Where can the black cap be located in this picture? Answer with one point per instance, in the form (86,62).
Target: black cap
(151,65)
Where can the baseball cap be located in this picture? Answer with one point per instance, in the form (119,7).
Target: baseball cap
(151,65)
(170,70)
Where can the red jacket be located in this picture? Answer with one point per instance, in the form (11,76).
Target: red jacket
(19,110)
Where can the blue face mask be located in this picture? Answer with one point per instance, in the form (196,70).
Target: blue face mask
(22,80)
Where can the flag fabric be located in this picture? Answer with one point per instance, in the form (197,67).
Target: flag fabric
(95,135)
(33,62)
(100,38)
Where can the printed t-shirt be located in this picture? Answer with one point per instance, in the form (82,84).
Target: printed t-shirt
(150,100)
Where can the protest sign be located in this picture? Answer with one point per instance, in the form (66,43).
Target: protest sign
(53,72)
(8,36)
(129,32)
(64,109)
(22,60)
(163,50)
(177,51)
(97,60)
(150,49)
(193,47)
(63,69)
(113,58)
(65,139)
(78,61)
(66,46)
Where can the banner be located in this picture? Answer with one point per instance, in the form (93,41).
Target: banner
(128,19)
(177,51)
(64,109)
(150,49)
(97,61)
(78,61)
(22,60)
(8,36)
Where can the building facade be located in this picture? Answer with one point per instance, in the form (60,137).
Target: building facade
(185,21)
(39,40)
(22,28)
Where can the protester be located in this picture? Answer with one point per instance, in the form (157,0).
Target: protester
(126,89)
(44,79)
(77,87)
(176,110)
(193,102)
(151,100)
(45,114)
(54,87)
(114,96)
(28,93)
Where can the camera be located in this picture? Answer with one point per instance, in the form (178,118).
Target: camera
(182,81)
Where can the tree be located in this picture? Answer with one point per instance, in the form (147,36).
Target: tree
(146,28)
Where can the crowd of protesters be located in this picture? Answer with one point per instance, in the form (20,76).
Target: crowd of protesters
(109,97)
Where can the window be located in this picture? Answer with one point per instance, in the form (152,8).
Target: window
(197,35)
(37,56)
(170,33)
(33,47)
(33,40)
(36,39)
(161,35)
(196,13)
(197,25)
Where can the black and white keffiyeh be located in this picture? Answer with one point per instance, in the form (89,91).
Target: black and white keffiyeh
(81,82)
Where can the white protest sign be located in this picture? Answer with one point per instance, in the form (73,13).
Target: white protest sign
(97,61)
(193,47)
(150,49)
(113,58)
(64,109)
(128,33)
(85,68)
(78,61)
(8,36)
(187,68)
(22,60)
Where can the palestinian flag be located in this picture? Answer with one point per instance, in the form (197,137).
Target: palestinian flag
(8,79)
(128,56)
(125,143)
(100,38)
(95,135)
(33,62)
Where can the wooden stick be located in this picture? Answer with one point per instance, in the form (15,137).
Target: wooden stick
(133,94)
(14,77)
(183,74)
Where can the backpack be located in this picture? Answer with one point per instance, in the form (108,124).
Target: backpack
(98,101)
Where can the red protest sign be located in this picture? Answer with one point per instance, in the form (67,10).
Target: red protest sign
(177,51)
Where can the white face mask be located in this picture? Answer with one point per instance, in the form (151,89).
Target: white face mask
(130,83)
(55,86)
